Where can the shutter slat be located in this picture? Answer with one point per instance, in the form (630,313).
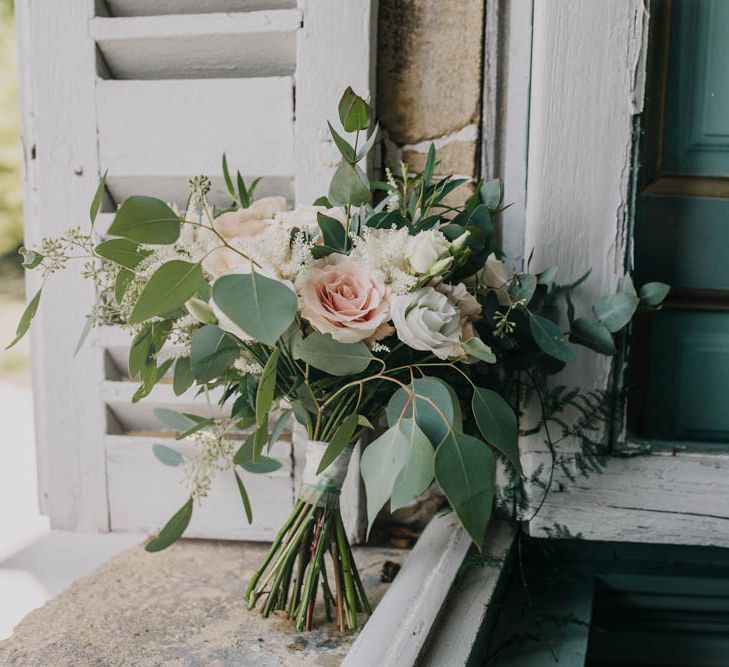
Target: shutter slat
(198,46)
(144,493)
(162,7)
(154,135)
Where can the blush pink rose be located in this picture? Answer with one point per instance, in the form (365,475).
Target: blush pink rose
(245,223)
(343,298)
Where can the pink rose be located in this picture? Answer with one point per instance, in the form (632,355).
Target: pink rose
(343,298)
(245,223)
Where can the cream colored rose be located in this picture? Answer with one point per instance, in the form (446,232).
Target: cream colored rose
(426,320)
(493,276)
(343,298)
(425,249)
(236,226)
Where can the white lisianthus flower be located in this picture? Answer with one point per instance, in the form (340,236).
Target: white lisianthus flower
(468,306)
(493,276)
(426,249)
(427,320)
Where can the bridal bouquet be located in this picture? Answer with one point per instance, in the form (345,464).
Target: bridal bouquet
(378,310)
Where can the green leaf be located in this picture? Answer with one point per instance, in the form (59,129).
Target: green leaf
(345,148)
(434,412)
(522,286)
(497,423)
(323,352)
(122,251)
(262,465)
(96,201)
(592,334)
(199,426)
(201,311)
(615,311)
(228,180)
(548,275)
(653,294)
(31,258)
(625,284)
(25,319)
(278,428)
(266,388)
(182,377)
(349,186)
(381,463)
(353,111)
(84,334)
(367,146)
(418,472)
(173,419)
(212,351)
(339,441)
(491,193)
(249,456)
(477,348)
(123,278)
(244,497)
(168,288)
(429,165)
(167,455)
(332,231)
(465,468)
(264,308)
(146,220)
(173,529)
(260,437)
(549,338)
(243,196)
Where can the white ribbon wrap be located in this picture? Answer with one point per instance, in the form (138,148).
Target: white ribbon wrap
(323,490)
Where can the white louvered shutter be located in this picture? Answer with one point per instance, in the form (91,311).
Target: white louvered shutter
(155,92)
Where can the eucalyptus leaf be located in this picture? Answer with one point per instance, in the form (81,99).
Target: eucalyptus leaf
(122,251)
(549,338)
(264,308)
(522,286)
(339,441)
(615,311)
(173,419)
(123,278)
(146,220)
(228,179)
(653,294)
(381,463)
(497,423)
(182,377)
(267,388)
(341,359)
(244,497)
(212,351)
(475,347)
(262,465)
(332,231)
(434,412)
(465,469)
(345,148)
(491,193)
(625,284)
(278,428)
(168,288)
(167,455)
(548,275)
(198,426)
(172,530)
(592,334)
(417,474)
(367,146)
(349,186)
(84,335)
(96,201)
(26,318)
(353,111)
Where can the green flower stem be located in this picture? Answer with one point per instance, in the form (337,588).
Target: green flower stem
(342,546)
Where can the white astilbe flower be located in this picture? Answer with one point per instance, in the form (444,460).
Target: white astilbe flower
(181,334)
(383,251)
(245,366)
(214,454)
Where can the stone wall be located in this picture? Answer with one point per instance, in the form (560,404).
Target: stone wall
(429,82)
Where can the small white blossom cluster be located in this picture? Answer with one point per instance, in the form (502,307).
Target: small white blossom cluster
(384,252)
(245,366)
(214,454)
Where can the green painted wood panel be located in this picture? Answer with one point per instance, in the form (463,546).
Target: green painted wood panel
(688,386)
(696,139)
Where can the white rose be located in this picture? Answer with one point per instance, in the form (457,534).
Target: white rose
(426,320)
(425,249)
(493,276)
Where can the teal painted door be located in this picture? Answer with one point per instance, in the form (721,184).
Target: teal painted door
(682,225)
